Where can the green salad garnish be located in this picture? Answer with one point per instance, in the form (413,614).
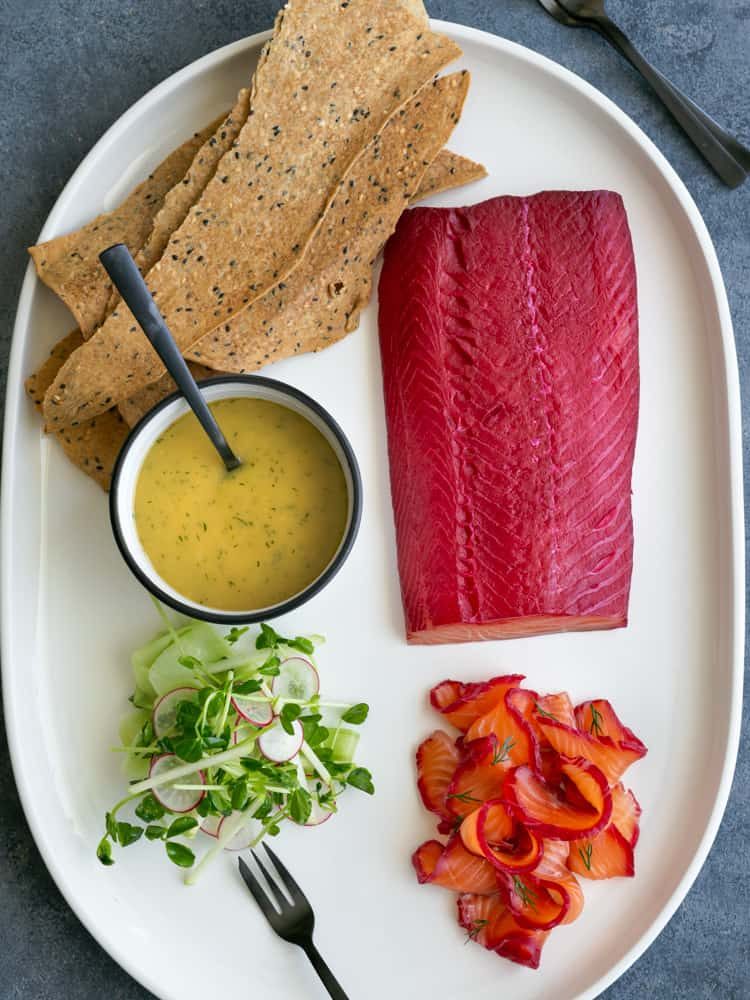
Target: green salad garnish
(229,737)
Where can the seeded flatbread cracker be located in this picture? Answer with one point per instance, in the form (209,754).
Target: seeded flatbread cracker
(328,80)
(131,410)
(94,444)
(37,384)
(448,170)
(69,264)
(321,300)
(184,187)
(181,198)
(417,9)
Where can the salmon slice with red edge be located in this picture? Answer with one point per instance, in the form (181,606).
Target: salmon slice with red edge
(462,704)
(437,760)
(453,867)
(509,345)
(488,921)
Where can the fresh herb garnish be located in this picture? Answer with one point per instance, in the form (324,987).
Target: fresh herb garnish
(234,634)
(473,931)
(301,644)
(300,805)
(585,853)
(179,855)
(181,825)
(524,892)
(269,638)
(248,687)
(596,726)
(463,796)
(189,749)
(287,716)
(271,668)
(148,809)
(503,751)
(361,778)
(456,825)
(356,715)
(546,715)
(104,851)
(127,834)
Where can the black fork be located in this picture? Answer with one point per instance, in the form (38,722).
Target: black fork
(295,921)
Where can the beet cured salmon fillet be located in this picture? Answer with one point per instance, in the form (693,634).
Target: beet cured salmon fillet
(509,345)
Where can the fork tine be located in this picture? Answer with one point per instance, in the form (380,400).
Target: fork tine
(296,893)
(258,893)
(278,896)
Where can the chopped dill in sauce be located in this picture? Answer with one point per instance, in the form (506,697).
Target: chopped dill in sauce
(251,538)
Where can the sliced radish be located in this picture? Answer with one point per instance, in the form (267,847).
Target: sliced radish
(259,713)
(164,715)
(297,679)
(318,814)
(245,836)
(241,733)
(178,800)
(210,825)
(279,746)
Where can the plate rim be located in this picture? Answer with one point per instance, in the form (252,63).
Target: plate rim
(730,374)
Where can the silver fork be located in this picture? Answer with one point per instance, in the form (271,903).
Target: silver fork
(295,921)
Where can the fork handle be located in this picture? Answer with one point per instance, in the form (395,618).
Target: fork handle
(729,158)
(326,976)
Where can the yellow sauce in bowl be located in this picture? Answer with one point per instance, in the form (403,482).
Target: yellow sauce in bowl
(251,538)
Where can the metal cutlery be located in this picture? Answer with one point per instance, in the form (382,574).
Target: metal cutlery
(728,157)
(293,921)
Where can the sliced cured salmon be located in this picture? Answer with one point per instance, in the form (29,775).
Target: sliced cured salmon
(487,920)
(478,777)
(462,704)
(453,867)
(607,855)
(529,797)
(509,344)
(437,760)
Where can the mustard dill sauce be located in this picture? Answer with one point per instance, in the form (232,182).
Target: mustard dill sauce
(250,538)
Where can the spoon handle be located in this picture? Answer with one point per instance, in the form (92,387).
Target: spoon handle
(729,158)
(127,279)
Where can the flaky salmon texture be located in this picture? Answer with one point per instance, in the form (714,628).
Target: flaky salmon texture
(509,344)
(530,798)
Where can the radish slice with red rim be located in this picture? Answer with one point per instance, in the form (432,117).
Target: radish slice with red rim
(259,713)
(244,837)
(279,746)
(297,680)
(164,714)
(318,814)
(210,825)
(177,800)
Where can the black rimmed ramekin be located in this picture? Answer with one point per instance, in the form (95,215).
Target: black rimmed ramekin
(137,446)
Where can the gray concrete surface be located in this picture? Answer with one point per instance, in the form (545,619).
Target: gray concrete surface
(67,70)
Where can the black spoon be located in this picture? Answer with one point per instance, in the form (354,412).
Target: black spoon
(128,281)
(729,158)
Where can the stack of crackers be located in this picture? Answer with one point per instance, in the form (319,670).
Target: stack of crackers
(257,237)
